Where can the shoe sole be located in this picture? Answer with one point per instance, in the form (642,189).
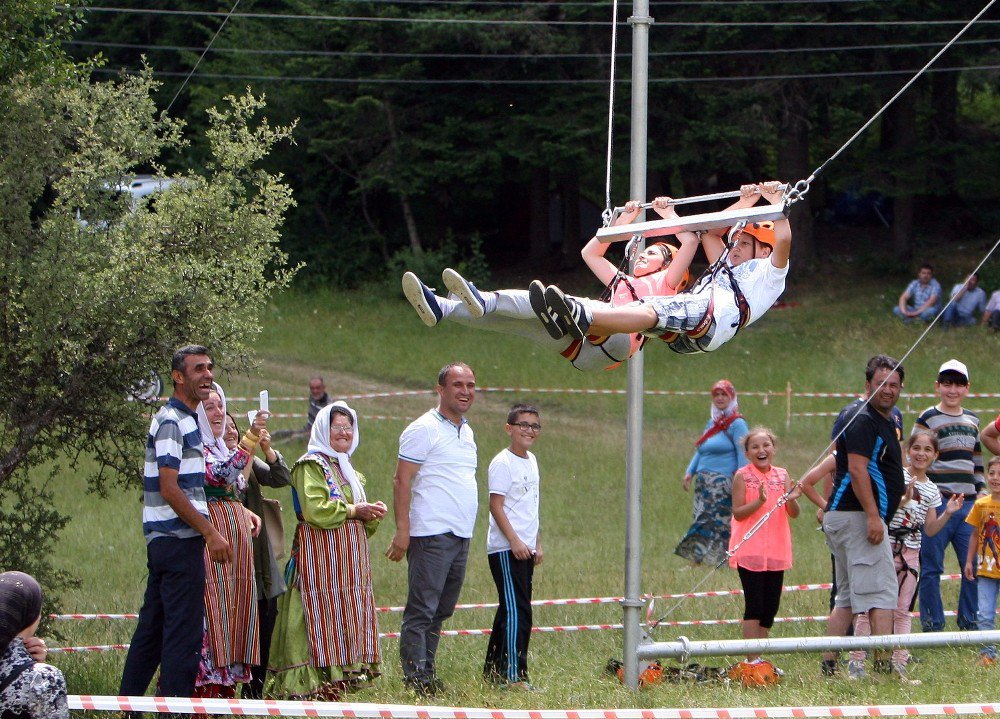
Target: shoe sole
(459,287)
(556,301)
(536,297)
(413,290)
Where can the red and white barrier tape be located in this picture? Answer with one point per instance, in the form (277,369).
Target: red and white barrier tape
(268,707)
(547,602)
(534,630)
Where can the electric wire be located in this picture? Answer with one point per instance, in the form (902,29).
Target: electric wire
(202,56)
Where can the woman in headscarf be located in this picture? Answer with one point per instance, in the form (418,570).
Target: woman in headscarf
(326,639)
(232,638)
(28,688)
(718,454)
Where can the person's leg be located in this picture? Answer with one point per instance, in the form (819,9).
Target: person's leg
(495,667)
(267,610)
(929,314)
(770,601)
(931,567)
(523,571)
(183,592)
(950,316)
(457,552)
(427,569)
(986,617)
(967,593)
(147,641)
(907,569)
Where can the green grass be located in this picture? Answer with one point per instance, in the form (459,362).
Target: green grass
(372,343)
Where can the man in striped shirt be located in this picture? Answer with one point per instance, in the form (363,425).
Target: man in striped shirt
(177,530)
(957,470)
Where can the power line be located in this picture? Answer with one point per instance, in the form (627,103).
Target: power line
(501,21)
(517,56)
(601,81)
(604,5)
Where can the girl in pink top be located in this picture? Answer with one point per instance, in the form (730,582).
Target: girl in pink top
(761,559)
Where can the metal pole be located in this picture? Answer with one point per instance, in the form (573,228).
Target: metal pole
(684,648)
(632,605)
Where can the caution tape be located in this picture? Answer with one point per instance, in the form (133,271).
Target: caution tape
(548,602)
(534,630)
(270,707)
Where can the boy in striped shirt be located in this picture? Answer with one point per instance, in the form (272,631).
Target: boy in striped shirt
(958,470)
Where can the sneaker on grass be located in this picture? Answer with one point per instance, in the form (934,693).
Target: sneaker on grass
(856,669)
(423,300)
(465,291)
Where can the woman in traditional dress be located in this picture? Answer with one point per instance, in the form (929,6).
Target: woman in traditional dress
(232,638)
(326,638)
(718,454)
(28,688)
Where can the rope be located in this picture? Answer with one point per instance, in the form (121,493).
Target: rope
(202,56)
(794,194)
(606,215)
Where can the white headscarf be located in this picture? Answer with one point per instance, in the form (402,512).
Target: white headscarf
(216,446)
(319,441)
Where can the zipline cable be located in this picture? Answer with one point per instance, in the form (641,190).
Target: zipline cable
(606,215)
(802,186)
(202,56)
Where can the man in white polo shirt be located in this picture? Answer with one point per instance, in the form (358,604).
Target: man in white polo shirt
(435,499)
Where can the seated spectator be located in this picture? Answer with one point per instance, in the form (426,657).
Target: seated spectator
(991,315)
(968,301)
(318,399)
(28,688)
(921,299)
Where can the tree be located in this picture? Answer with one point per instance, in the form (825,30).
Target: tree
(89,308)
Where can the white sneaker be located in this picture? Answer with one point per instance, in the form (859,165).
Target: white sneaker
(465,291)
(423,300)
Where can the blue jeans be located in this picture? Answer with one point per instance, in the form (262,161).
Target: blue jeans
(957,533)
(955,318)
(986,616)
(927,315)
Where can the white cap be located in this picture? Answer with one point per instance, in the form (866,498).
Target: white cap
(953,365)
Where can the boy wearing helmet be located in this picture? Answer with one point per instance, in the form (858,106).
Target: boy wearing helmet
(709,314)
(660,270)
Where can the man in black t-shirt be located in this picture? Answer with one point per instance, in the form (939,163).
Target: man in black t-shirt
(866,491)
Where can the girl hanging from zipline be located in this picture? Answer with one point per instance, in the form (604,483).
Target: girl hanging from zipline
(661,270)
(745,278)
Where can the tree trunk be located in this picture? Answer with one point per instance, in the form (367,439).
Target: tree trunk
(944,130)
(899,135)
(404,200)
(538,232)
(793,165)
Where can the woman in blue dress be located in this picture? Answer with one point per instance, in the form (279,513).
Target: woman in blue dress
(718,454)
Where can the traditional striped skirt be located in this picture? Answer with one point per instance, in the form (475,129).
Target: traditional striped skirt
(231,590)
(335,581)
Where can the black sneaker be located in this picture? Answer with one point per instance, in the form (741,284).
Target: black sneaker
(421,687)
(569,311)
(553,325)
(830,668)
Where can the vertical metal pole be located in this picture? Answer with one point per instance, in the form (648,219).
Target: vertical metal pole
(632,604)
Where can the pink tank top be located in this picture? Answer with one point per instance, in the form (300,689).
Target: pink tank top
(654,285)
(770,547)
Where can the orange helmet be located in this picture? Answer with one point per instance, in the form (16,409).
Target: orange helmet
(670,251)
(763,232)
(758,674)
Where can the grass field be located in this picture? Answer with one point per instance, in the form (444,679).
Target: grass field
(374,343)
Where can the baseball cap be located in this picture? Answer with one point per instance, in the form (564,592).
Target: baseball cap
(953,365)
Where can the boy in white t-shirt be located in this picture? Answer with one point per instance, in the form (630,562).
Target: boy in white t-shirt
(513,548)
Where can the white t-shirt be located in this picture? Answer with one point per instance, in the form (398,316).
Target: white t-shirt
(516,478)
(444,493)
(761,283)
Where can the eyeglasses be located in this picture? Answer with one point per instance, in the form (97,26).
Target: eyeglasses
(342,428)
(526,426)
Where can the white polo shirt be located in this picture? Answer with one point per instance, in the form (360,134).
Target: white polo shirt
(444,495)
(516,478)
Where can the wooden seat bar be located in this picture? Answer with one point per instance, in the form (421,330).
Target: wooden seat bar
(691,223)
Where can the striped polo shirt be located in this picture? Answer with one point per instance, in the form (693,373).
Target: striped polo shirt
(174,442)
(959,466)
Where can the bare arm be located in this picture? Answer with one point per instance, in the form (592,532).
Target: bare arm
(970,556)
(861,483)
(712,240)
(990,438)
(771,192)
(218,548)
(811,478)
(401,484)
(593,252)
(903,299)
(934,523)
